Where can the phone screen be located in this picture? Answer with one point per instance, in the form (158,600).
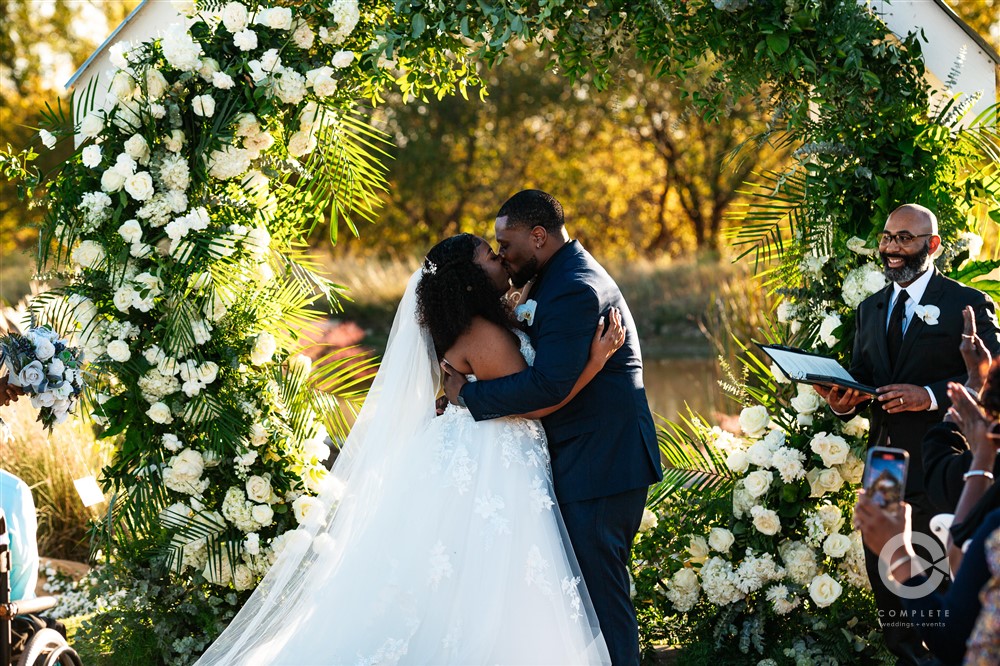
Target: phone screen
(885,475)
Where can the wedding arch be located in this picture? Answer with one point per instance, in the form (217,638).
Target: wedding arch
(211,151)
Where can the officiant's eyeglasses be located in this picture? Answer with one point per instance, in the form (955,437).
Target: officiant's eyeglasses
(902,239)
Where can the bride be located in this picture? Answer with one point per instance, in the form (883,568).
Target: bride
(443,542)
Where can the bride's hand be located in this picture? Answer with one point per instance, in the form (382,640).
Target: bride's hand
(607,342)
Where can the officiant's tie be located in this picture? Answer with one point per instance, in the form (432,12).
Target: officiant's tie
(894,333)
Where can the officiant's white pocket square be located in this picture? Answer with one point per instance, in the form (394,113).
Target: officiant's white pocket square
(526,311)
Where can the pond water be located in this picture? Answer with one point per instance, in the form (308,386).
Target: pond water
(673,385)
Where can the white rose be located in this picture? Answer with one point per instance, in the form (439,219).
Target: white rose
(203,105)
(837,545)
(765,520)
(303,36)
(262,514)
(823,481)
(112,180)
(174,141)
(263,349)
(139,186)
(258,489)
(45,399)
(125,297)
(130,231)
(754,420)
(158,412)
(760,454)
(207,372)
(856,427)
(742,502)
(720,539)
(779,376)
(118,351)
(807,400)
(91,156)
(258,434)
(649,521)
(243,578)
(251,544)
(308,510)
(831,517)
(31,374)
(209,68)
(91,126)
(342,59)
(738,461)
(833,449)
(698,548)
(852,470)
(757,483)
(156,84)
(299,365)
(301,143)
(137,148)
(824,590)
(245,40)
(278,18)
(831,322)
(171,442)
(289,86)
(56,368)
(235,17)
(89,254)
(222,81)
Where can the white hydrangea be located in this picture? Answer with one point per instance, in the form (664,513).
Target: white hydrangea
(346,15)
(755,572)
(289,86)
(238,510)
(228,162)
(862,282)
(180,49)
(799,560)
(782,600)
(718,580)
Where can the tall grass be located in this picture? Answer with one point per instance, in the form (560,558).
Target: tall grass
(49,463)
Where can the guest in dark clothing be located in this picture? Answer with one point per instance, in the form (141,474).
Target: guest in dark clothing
(946,458)
(945,621)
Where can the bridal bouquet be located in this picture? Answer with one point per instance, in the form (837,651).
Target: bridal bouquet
(46,368)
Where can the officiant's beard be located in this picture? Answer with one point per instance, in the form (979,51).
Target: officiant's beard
(913,265)
(521,277)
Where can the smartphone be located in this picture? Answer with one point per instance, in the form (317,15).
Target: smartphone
(885,474)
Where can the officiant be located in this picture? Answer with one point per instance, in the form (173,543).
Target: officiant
(906,343)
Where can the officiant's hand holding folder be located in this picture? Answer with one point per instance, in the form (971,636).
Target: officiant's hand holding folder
(809,368)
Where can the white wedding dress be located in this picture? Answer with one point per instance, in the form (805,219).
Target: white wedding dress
(443,544)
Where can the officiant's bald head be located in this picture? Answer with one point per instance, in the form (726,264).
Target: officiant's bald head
(914,218)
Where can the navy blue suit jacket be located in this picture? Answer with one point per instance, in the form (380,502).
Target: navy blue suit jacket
(603,442)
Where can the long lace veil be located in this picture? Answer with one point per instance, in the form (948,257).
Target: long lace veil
(400,404)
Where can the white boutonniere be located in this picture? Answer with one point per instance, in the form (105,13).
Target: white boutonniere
(927,313)
(526,311)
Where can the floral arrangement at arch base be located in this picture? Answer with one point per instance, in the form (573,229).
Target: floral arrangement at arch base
(179,229)
(752,558)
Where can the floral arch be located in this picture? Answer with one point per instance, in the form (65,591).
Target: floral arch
(180,225)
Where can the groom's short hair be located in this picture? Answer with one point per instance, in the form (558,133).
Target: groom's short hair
(533,208)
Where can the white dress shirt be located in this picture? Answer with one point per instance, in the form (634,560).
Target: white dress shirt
(915,292)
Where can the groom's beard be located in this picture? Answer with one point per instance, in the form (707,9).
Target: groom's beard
(521,277)
(913,265)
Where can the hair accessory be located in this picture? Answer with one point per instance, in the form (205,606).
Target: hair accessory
(430,268)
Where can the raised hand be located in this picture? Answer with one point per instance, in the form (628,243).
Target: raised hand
(974,352)
(976,425)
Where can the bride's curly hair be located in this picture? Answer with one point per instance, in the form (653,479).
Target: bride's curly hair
(453,289)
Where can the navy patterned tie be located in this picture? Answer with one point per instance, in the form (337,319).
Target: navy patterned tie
(894,333)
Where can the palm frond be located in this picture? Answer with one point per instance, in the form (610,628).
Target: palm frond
(775,212)
(692,462)
(337,388)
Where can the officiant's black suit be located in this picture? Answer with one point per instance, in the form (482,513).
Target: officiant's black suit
(929,356)
(603,443)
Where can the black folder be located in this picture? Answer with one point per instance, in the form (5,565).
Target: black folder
(809,368)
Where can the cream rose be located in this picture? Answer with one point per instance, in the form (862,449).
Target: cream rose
(765,520)
(720,539)
(837,545)
(140,186)
(158,412)
(823,481)
(259,489)
(824,590)
(738,461)
(89,254)
(754,421)
(757,483)
(130,231)
(263,349)
(698,548)
(118,351)
(262,514)
(833,449)
(308,510)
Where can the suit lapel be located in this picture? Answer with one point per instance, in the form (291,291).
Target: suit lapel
(913,330)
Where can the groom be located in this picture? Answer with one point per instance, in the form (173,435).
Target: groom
(603,444)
